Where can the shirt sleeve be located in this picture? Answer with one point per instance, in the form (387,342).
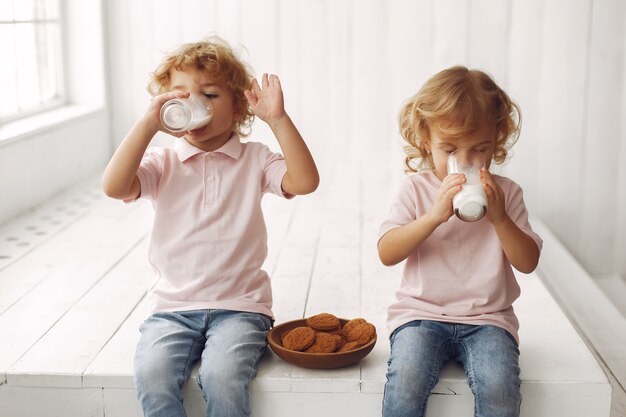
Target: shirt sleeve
(274,169)
(516,209)
(149,173)
(403,208)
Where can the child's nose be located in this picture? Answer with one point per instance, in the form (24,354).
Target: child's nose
(462,158)
(471,157)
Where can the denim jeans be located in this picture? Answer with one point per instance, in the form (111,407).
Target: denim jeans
(419,349)
(229,345)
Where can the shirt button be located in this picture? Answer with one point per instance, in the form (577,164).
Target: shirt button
(211,178)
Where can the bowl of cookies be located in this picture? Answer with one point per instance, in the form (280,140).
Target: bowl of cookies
(322,341)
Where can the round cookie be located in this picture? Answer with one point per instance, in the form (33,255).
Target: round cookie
(299,339)
(324,343)
(348,347)
(361,333)
(339,339)
(351,324)
(323,322)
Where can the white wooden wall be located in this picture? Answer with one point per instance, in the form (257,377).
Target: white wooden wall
(347,66)
(43,155)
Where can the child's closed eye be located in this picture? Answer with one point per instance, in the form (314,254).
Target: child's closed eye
(210,95)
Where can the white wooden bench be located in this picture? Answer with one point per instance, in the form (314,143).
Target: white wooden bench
(73,276)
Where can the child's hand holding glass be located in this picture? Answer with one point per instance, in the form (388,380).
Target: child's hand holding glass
(153,113)
(495,197)
(442,209)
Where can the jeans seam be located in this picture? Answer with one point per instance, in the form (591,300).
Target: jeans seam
(434,377)
(469,369)
(186,371)
(260,322)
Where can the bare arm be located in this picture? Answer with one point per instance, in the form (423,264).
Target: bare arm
(397,244)
(519,248)
(267,103)
(120,176)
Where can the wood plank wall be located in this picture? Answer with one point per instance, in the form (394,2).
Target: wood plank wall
(347,65)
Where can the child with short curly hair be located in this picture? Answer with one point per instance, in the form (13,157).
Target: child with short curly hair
(211,300)
(458,286)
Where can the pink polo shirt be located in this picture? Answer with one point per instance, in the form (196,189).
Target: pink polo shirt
(460,273)
(209,238)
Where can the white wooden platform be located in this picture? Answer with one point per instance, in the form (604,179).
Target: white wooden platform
(73,275)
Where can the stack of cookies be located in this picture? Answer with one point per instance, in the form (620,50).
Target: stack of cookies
(324,333)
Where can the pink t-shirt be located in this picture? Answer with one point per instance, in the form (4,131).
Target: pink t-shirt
(460,273)
(209,238)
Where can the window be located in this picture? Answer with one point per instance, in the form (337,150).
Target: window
(30,47)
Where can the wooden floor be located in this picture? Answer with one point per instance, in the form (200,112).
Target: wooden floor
(73,276)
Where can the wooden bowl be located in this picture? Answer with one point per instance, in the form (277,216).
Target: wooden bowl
(314,360)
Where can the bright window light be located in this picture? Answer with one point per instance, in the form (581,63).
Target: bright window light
(30,50)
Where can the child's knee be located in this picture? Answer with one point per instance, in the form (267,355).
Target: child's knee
(156,380)
(224,376)
(407,390)
(412,378)
(498,388)
(500,399)
(155,371)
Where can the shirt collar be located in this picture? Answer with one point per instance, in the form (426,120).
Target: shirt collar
(185,150)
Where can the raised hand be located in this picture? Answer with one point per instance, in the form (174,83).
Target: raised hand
(267,102)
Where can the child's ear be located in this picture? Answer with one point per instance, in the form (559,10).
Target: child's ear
(240,110)
(426,147)
(237,115)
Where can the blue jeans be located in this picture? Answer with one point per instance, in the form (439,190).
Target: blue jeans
(419,349)
(229,344)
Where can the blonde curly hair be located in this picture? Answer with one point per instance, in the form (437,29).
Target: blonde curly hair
(456,102)
(219,61)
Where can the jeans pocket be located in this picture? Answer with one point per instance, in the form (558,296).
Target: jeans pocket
(267,321)
(510,336)
(143,325)
(414,323)
(264,322)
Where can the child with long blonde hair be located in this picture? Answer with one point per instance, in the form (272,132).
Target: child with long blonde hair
(458,286)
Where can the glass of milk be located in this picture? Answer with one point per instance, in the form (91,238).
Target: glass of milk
(469,204)
(182,114)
